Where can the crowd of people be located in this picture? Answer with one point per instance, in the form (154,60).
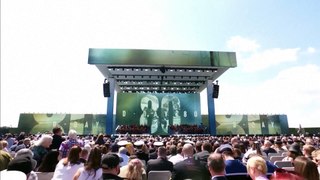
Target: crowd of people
(202,157)
(188,129)
(133,129)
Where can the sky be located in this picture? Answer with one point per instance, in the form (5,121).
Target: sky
(44,52)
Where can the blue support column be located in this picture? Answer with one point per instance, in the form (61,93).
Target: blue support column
(109,118)
(211,110)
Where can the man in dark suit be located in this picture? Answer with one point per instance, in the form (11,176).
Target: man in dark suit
(190,168)
(206,149)
(57,138)
(161,163)
(216,166)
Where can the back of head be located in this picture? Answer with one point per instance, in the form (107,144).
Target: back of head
(73,156)
(45,140)
(110,161)
(24,152)
(198,146)
(162,152)
(216,163)
(56,130)
(72,134)
(135,169)
(173,150)
(21,163)
(187,150)
(94,160)
(258,163)
(122,150)
(306,168)
(267,143)
(207,147)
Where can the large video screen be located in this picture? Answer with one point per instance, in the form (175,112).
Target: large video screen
(82,123)
(251,124)
(158,110)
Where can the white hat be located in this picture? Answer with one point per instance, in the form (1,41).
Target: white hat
(158,143)
(139,143)
(123,143)
(189,142)
(12,175)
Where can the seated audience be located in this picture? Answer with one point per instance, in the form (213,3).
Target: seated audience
(26,144)
(134,170)
(92,168)
(40,148)
(190,168)
(5,158)
(232,165)
(307,150)
(267,147)
(111,167)
(67,167)
(123,154)
(161,163)
(142,151)
(28,153)
(316,158)
(293,152)
(255,149)
(257,168)
(203,155)
(178,157)
(49,162)
(216,166)
(21,163)
(306,168)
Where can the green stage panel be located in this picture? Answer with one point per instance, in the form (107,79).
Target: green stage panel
(161,57)
(251,124)
(82,123)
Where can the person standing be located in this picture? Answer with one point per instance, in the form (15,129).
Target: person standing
(68,144)
(57,138)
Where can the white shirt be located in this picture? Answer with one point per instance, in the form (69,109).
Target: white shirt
(65,172)
(90,175)
(176,158)
(125,159)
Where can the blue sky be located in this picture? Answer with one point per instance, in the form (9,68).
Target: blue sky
(44,51)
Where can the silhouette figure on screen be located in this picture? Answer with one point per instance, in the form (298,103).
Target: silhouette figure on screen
(170,113)
(150,113)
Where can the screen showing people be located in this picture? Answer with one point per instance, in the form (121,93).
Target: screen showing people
(158,111)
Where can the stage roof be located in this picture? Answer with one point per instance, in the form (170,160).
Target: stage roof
(161,71)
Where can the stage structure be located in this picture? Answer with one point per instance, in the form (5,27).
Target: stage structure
(163,86)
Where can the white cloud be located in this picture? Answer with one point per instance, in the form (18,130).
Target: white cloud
(241,44)
(269,58)
(251,59)
(311,50)
(294,91)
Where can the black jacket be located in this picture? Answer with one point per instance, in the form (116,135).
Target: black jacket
(160,164)
(190,169)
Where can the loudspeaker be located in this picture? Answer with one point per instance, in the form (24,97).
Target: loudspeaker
(215,93)
(106,89)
